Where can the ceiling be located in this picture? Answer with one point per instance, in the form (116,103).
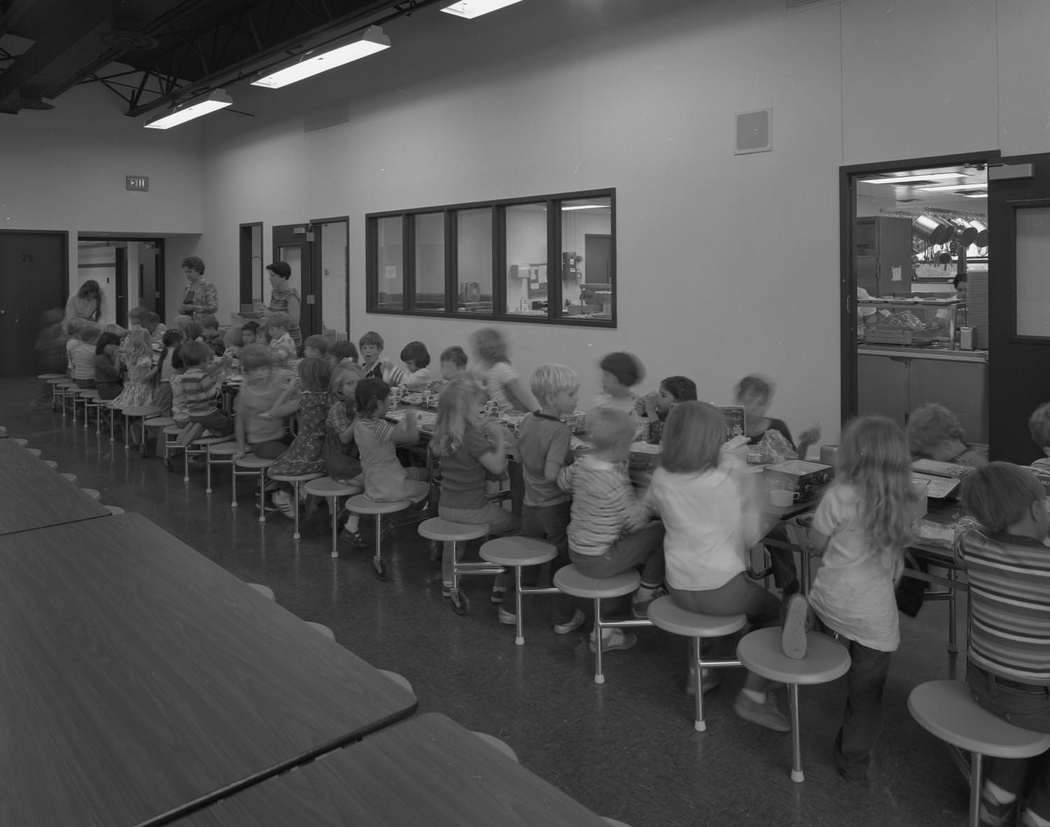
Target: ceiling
(157,53)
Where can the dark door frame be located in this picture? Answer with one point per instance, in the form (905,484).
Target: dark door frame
(247,288)
(848,279)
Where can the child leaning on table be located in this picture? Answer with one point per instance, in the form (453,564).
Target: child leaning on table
(1006,663)
(862,526)
(754,394)
(200,386)
(657,406)
(610,531)
(620,373)
(711,520)
(377,438)
(469,453)
(544,442)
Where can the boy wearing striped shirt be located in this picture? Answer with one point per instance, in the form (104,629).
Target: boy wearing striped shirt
(1008,660)
(611,530)
(201,384)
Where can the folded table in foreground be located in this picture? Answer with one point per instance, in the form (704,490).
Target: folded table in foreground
(428,770)
(139,678)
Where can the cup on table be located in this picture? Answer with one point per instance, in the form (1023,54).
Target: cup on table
(781,497)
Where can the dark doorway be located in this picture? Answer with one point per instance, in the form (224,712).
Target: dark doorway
(130,271)
(1019,307)
(251,263)
(35,268)
(294,244)
(597,258)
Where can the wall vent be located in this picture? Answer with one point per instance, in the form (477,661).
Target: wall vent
(754,132)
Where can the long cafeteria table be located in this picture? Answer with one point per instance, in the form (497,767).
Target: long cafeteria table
(139,679)
(427,771)
(35,496)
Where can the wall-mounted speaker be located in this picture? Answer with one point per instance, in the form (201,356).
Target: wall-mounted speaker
(754,132)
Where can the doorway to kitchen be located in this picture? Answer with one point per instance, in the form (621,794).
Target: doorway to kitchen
(130,272)
(915,289)
(317,253)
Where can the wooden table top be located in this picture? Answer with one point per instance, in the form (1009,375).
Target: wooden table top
(137,677)
(34,496)
(428,770)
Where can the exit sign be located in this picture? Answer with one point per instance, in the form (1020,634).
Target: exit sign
(136,183)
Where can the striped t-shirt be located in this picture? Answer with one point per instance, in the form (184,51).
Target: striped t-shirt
(1009,581)
(604,506)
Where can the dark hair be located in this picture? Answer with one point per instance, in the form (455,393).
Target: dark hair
(152,318)
(343,350)
(194,353)
(756,385)
(369,393)
(371,338)
(960,278)
(194,263)
(624,366)
(456,355)
(192,331)
(104,341)
(317,342)
(252,326)
(999,493)
(171,338)
(681,388)
(90,288)
(416,353)
(315,374)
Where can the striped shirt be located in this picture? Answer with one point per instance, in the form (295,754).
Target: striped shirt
(603,504)
(200,391)
(1009,581)
(82,358)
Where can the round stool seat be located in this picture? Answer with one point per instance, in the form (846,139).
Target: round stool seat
(88,393)
(172,429)
(518,551)
(667,616)
(502,746)
(160,422)
(49,376)
(571,581)
(322,629)
(94,493)
(254,462)
(223,449)
(292,477)
(265,591)
(69,477)
(946,709)
(327,487)
(36,452)
(397,678)
(115,510)
(50,463)
(19,441)
(825,659)
(60,380)
(446,531)
(362,505)
(140,410)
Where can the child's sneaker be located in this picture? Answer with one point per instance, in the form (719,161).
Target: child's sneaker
(613,639)
(764,714)
(283,501)
(507,617)
(496,597)
(793,633)
(642,598)
(571,625)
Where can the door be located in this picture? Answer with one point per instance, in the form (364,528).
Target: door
(34,266)
(293,243)
(151,276)
(1018,304)
(597,258)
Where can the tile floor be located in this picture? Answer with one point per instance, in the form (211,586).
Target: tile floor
(626,749)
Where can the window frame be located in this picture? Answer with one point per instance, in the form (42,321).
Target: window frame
(555,311)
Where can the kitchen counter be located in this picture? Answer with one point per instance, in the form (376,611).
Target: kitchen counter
(902,352)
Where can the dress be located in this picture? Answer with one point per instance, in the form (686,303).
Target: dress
(138,390)
(386,479)
(304,455)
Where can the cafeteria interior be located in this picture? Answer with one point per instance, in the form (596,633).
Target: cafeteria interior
(727,261)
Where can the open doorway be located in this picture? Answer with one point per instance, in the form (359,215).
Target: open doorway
(915,330)
(130,272)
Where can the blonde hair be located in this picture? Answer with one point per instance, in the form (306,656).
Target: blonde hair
(490,346)
(550,380)
(457,408)
(341,375)
(138,345)
(610,428)
(873,457)
(692,438)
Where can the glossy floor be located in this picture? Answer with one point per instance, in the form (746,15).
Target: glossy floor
(626,749)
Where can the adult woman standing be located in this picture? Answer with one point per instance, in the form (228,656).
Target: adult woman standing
(201,298)
(285,299)
(86,304)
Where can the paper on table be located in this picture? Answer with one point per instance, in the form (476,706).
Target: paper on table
(939,487)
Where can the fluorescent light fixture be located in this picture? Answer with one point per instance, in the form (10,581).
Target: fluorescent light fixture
(975,195)
(218,99)
(585,207)
(370,41)
(954,187)
(469,9)
(911,179)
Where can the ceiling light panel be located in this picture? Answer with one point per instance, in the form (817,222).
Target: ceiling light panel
(372,40)
(954,187)
(469,9)
(911,179)
(215,101)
